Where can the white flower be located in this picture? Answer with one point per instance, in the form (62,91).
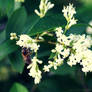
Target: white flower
(68,13)
(59,48)
(64,40)
(59,31)
(24,41)
(72,22)
(86,61)
(28,42)
(65,53)
(61,38)
(34,47)
(59,60)
(89,29)
(13,36)
(46,68)
(52,64)
(73,60)
(44,6)
(34,70)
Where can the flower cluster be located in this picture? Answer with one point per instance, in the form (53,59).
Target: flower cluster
(68,13)
(28,42)
(75,47)
(82,53)
(44,6)
(19,0)
(61,51)
(34,70)
(25,41)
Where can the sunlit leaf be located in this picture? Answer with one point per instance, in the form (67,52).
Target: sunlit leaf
(18,88)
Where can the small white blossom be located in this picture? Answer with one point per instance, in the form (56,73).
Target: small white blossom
(59,31)
(69,11)
(46,68)
(34,70)
(44,6)
(61,38)
(72,22)
(59,60)
(89,29)
(59,48)
(13,36)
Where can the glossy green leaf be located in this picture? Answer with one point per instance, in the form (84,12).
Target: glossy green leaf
(18,88)
(65,70)
(54,83)
(38,25)
(17,61)
(6,48)
(78,29)
(7,6)
(16,22)
(2,36)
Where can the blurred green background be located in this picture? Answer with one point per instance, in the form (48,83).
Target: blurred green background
(19,17)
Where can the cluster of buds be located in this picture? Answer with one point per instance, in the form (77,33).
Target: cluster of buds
(44,6)
(13,36)
(68,13)
(28,42)
(34,70)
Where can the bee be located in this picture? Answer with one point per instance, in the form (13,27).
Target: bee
(26,55)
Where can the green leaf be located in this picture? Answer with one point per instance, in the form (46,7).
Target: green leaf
(7,6)
(17,61)
(43,53)
(2,36)
(18,88)
(39,25)
(78,29)
(6,48)
(65,70)
(16,22)
(36,25)
(56,83)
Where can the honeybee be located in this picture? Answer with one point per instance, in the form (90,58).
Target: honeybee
(26,55)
